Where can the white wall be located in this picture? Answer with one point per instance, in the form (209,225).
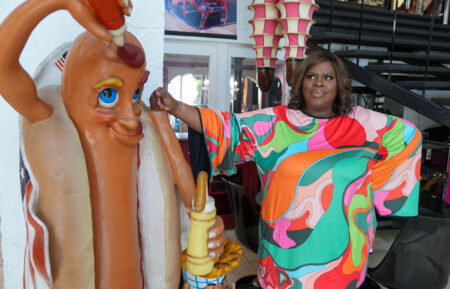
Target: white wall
(146,22)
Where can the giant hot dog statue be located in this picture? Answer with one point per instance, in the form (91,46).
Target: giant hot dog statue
(101,206)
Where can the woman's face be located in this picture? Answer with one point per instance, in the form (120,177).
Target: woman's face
(319,89)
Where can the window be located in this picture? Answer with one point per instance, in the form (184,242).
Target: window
(245,93)
(186,77)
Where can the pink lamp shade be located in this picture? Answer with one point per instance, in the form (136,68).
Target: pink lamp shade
(295,39)
(266,56)
(264,40)
(295,51)
(264,11)
(296,8)
(296,25)
(296,20)
(266,52)
(264,1)
(266,62)
(265,26)
(267,32)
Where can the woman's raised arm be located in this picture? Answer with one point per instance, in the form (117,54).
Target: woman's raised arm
(162,99)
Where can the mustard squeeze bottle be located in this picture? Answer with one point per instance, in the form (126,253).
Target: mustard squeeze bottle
(203,216)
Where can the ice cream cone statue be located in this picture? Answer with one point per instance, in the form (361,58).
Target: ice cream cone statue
(266,35)
(199,269)
(101,205)
(272,19)
(202,217)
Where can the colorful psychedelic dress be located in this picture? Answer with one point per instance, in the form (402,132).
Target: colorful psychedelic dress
(322,180)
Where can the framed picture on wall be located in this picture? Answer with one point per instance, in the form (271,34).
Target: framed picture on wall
(207,18)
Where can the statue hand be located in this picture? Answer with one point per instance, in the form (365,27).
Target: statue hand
(85,16)
(215,241)
(126,6)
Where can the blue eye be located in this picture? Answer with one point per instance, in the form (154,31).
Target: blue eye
(136,95)
(108,97)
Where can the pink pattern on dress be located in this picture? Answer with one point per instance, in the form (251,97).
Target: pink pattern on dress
(280,234)
(370,120)
(212,147)
(380,196)
(352,189)
(227,128)
(318,140)
(362,277)
(263,127)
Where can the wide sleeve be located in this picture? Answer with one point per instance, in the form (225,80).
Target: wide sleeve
(227,141)
(395,177)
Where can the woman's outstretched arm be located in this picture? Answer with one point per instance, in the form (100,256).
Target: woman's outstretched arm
(162,99)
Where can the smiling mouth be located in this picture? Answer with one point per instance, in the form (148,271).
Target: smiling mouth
(317,93)
(129,139)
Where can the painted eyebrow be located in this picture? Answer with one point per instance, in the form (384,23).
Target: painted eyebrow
(317,74)
(109,81)
(144,77)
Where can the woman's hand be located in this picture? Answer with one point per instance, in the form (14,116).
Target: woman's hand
(161,99)
(215,238)
(126,6)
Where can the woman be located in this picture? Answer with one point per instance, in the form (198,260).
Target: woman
(324,167)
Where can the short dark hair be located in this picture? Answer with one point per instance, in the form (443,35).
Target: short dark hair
(343,103)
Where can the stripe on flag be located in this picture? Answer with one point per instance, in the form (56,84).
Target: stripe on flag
(60,62)
(37,273)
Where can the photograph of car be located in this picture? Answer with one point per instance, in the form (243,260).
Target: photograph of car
(205,17)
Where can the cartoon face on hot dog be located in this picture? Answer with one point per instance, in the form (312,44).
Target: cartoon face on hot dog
(102,94)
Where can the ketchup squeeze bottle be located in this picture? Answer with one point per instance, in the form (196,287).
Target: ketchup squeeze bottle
(110,15)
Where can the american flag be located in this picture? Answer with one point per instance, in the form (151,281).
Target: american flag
(36,264)
(60,62)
